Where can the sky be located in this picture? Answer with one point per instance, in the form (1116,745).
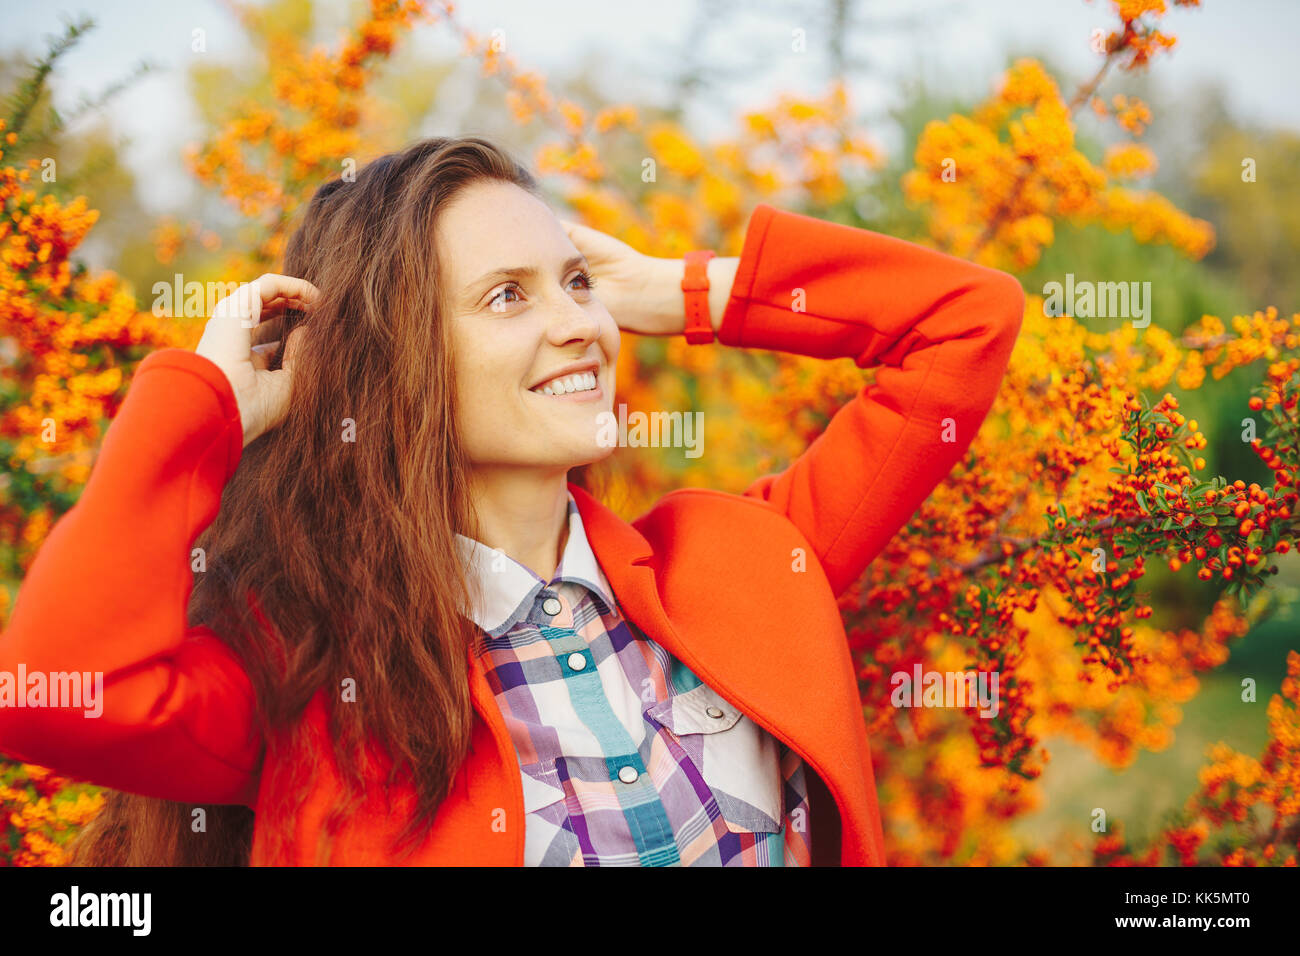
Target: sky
(959,45)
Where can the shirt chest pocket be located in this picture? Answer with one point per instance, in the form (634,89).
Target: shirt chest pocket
(542,786)
(739,760)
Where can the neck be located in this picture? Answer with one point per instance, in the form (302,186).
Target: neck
(524,512)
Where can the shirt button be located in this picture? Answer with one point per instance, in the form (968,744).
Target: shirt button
(628,775)
(713,712)
(577,662)
(551,606)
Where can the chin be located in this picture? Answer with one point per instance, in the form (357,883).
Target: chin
(588,455)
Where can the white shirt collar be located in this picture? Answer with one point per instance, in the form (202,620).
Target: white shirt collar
(509,589)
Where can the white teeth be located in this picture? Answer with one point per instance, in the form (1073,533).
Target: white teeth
(580,382)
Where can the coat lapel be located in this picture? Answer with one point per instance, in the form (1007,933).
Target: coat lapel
(628,560)
(626,557)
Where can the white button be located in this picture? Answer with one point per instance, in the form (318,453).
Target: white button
(551,606)
(628,775)
(713,712)
(577,662)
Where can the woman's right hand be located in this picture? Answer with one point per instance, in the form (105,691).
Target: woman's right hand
(262,394)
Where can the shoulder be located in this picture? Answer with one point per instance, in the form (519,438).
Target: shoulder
(698,528)
(709,503)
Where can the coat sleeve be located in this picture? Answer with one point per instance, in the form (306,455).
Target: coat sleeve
(107,595)
(940,329)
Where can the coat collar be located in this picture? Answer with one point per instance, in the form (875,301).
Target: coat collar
(625,557)
(628,561)
(632,570)
(623,554)
(508,589)
(616,543)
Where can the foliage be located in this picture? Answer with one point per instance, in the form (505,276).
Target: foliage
(1029,560)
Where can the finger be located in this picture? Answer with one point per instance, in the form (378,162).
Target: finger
(227,337)
(274,290)
(281,302)
(272,286)
(243,306)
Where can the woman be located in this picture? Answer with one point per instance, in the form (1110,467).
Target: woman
(408,632)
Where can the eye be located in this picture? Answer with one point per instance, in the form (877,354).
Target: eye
(495,303)
(587,279)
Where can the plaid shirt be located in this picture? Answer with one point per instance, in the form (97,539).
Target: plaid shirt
(627,758)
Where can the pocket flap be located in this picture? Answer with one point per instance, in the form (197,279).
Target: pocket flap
(541,786)
(698,711)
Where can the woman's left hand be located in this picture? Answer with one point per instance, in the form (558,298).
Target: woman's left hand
(642,293)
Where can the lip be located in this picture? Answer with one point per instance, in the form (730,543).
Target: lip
(592,395)
(587,365)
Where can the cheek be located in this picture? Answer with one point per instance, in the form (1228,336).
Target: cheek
(611,340)
(475,386)
(490,400)
(489,387)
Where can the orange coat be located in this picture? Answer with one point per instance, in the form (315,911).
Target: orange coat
(713,577)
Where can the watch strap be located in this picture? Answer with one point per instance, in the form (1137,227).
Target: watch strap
(695,285)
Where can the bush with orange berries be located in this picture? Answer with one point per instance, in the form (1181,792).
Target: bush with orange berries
(1030,559)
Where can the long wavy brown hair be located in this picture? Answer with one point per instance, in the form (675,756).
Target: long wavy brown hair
(348,547)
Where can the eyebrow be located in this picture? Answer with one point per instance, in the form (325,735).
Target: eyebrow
(481,285)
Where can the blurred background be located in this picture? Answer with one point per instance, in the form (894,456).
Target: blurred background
(164,116)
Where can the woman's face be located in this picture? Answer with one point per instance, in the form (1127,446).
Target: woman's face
(521,314)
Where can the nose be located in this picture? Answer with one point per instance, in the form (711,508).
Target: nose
(571,322)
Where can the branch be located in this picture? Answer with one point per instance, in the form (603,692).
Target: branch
(1022,177)
(1021,545)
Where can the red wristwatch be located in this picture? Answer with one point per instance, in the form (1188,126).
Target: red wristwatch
(699,329)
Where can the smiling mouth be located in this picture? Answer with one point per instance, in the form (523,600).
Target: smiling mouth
(577,385)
